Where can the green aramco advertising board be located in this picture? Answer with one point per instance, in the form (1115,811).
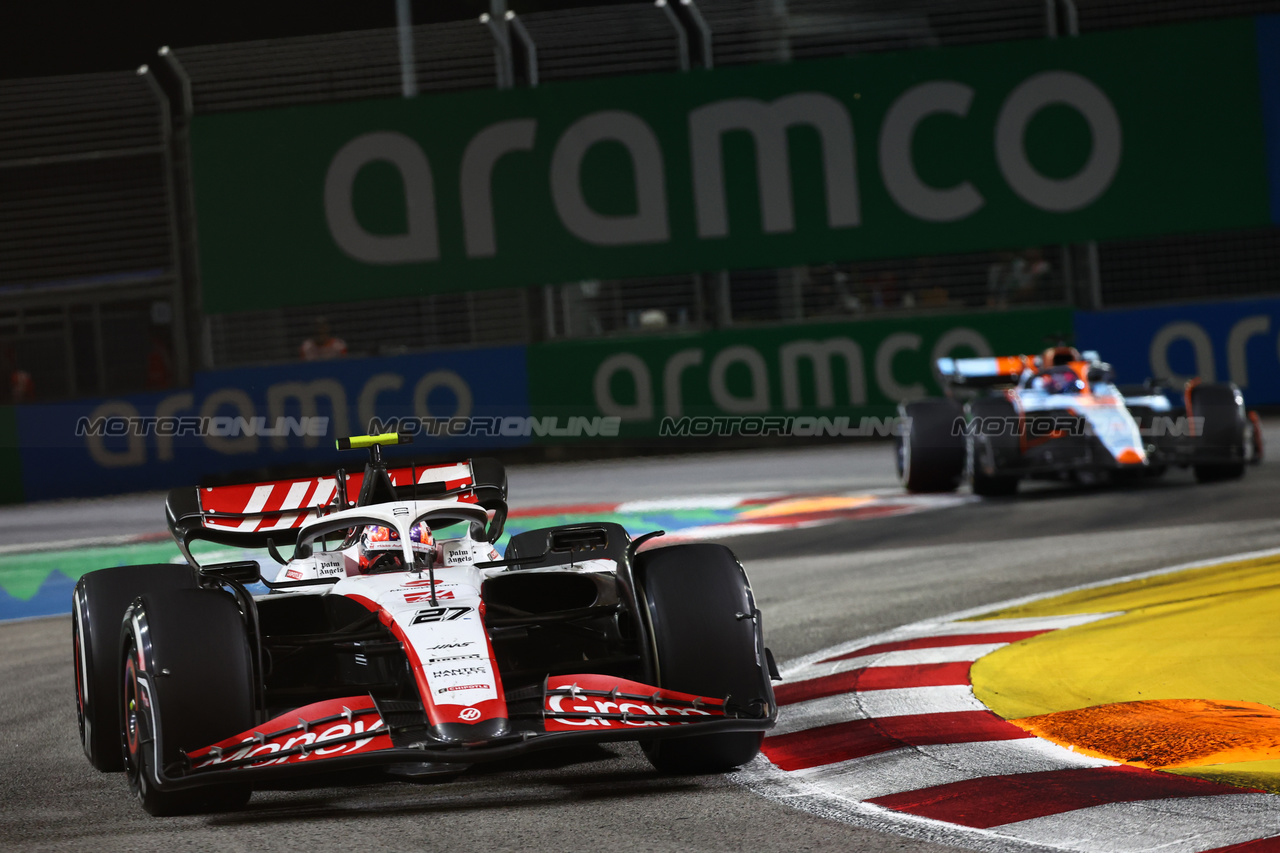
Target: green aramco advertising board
(1113,135)
(841,371)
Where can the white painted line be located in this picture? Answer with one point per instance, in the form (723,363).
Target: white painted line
(907,701)
(828,710)
(90,542)
(814,713)
(694,502)
(900,657)
(946,628)
(1174,825)
(731,529)
(914,768)
(1029,623)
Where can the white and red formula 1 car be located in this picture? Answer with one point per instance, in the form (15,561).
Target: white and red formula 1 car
(201,683)
(1060,415)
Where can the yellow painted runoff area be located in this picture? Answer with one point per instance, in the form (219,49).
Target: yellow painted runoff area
(1187,674)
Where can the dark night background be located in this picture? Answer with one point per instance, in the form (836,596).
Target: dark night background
(40,38)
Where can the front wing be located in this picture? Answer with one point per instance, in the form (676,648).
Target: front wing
(351,732)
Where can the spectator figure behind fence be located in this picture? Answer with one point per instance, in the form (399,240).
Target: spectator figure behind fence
(1017,278)
(323,344)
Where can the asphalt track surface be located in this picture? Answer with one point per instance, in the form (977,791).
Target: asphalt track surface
(816,587)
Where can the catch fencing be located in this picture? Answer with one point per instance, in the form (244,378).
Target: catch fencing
(98,258)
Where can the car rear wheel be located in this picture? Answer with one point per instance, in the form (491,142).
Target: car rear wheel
(705,638)
(1222,435)
(97,605)
(930,457)
(198,690)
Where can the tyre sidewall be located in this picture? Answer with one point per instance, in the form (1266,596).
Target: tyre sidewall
(1222,436)
(97,606)
(695,594)
(194,646)
(930,456)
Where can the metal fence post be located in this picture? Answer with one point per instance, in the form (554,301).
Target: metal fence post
(496,20)
(1072,17)
(178,314)
(549,311)
(185,185)
(527,48)
(778,9)
(404,34)
(724,305)
(529,51)
(682,39)
(529,55)
(1068,275)
(1095,275)
(693,15)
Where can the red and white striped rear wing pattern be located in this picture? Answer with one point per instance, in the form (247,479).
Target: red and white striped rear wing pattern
(255,515)
(287,504)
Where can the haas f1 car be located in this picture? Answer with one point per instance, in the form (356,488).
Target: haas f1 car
(1060,415)
(394,637)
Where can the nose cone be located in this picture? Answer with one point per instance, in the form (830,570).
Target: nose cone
(1129,456)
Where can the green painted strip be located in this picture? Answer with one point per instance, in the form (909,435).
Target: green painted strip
(22,575)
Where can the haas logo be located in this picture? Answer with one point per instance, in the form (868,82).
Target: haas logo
(469,714)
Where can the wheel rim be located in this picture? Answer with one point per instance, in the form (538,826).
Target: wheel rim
(132,729)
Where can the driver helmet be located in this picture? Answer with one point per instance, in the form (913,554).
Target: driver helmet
(380,549)
(1062,382)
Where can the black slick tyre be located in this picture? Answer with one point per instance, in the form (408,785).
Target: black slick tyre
(97,605)
(194,646)
(990,451)
(705,638)
(930,454)
(1222,435)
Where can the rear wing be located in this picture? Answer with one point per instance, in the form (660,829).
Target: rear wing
(254,515)
(985,372)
